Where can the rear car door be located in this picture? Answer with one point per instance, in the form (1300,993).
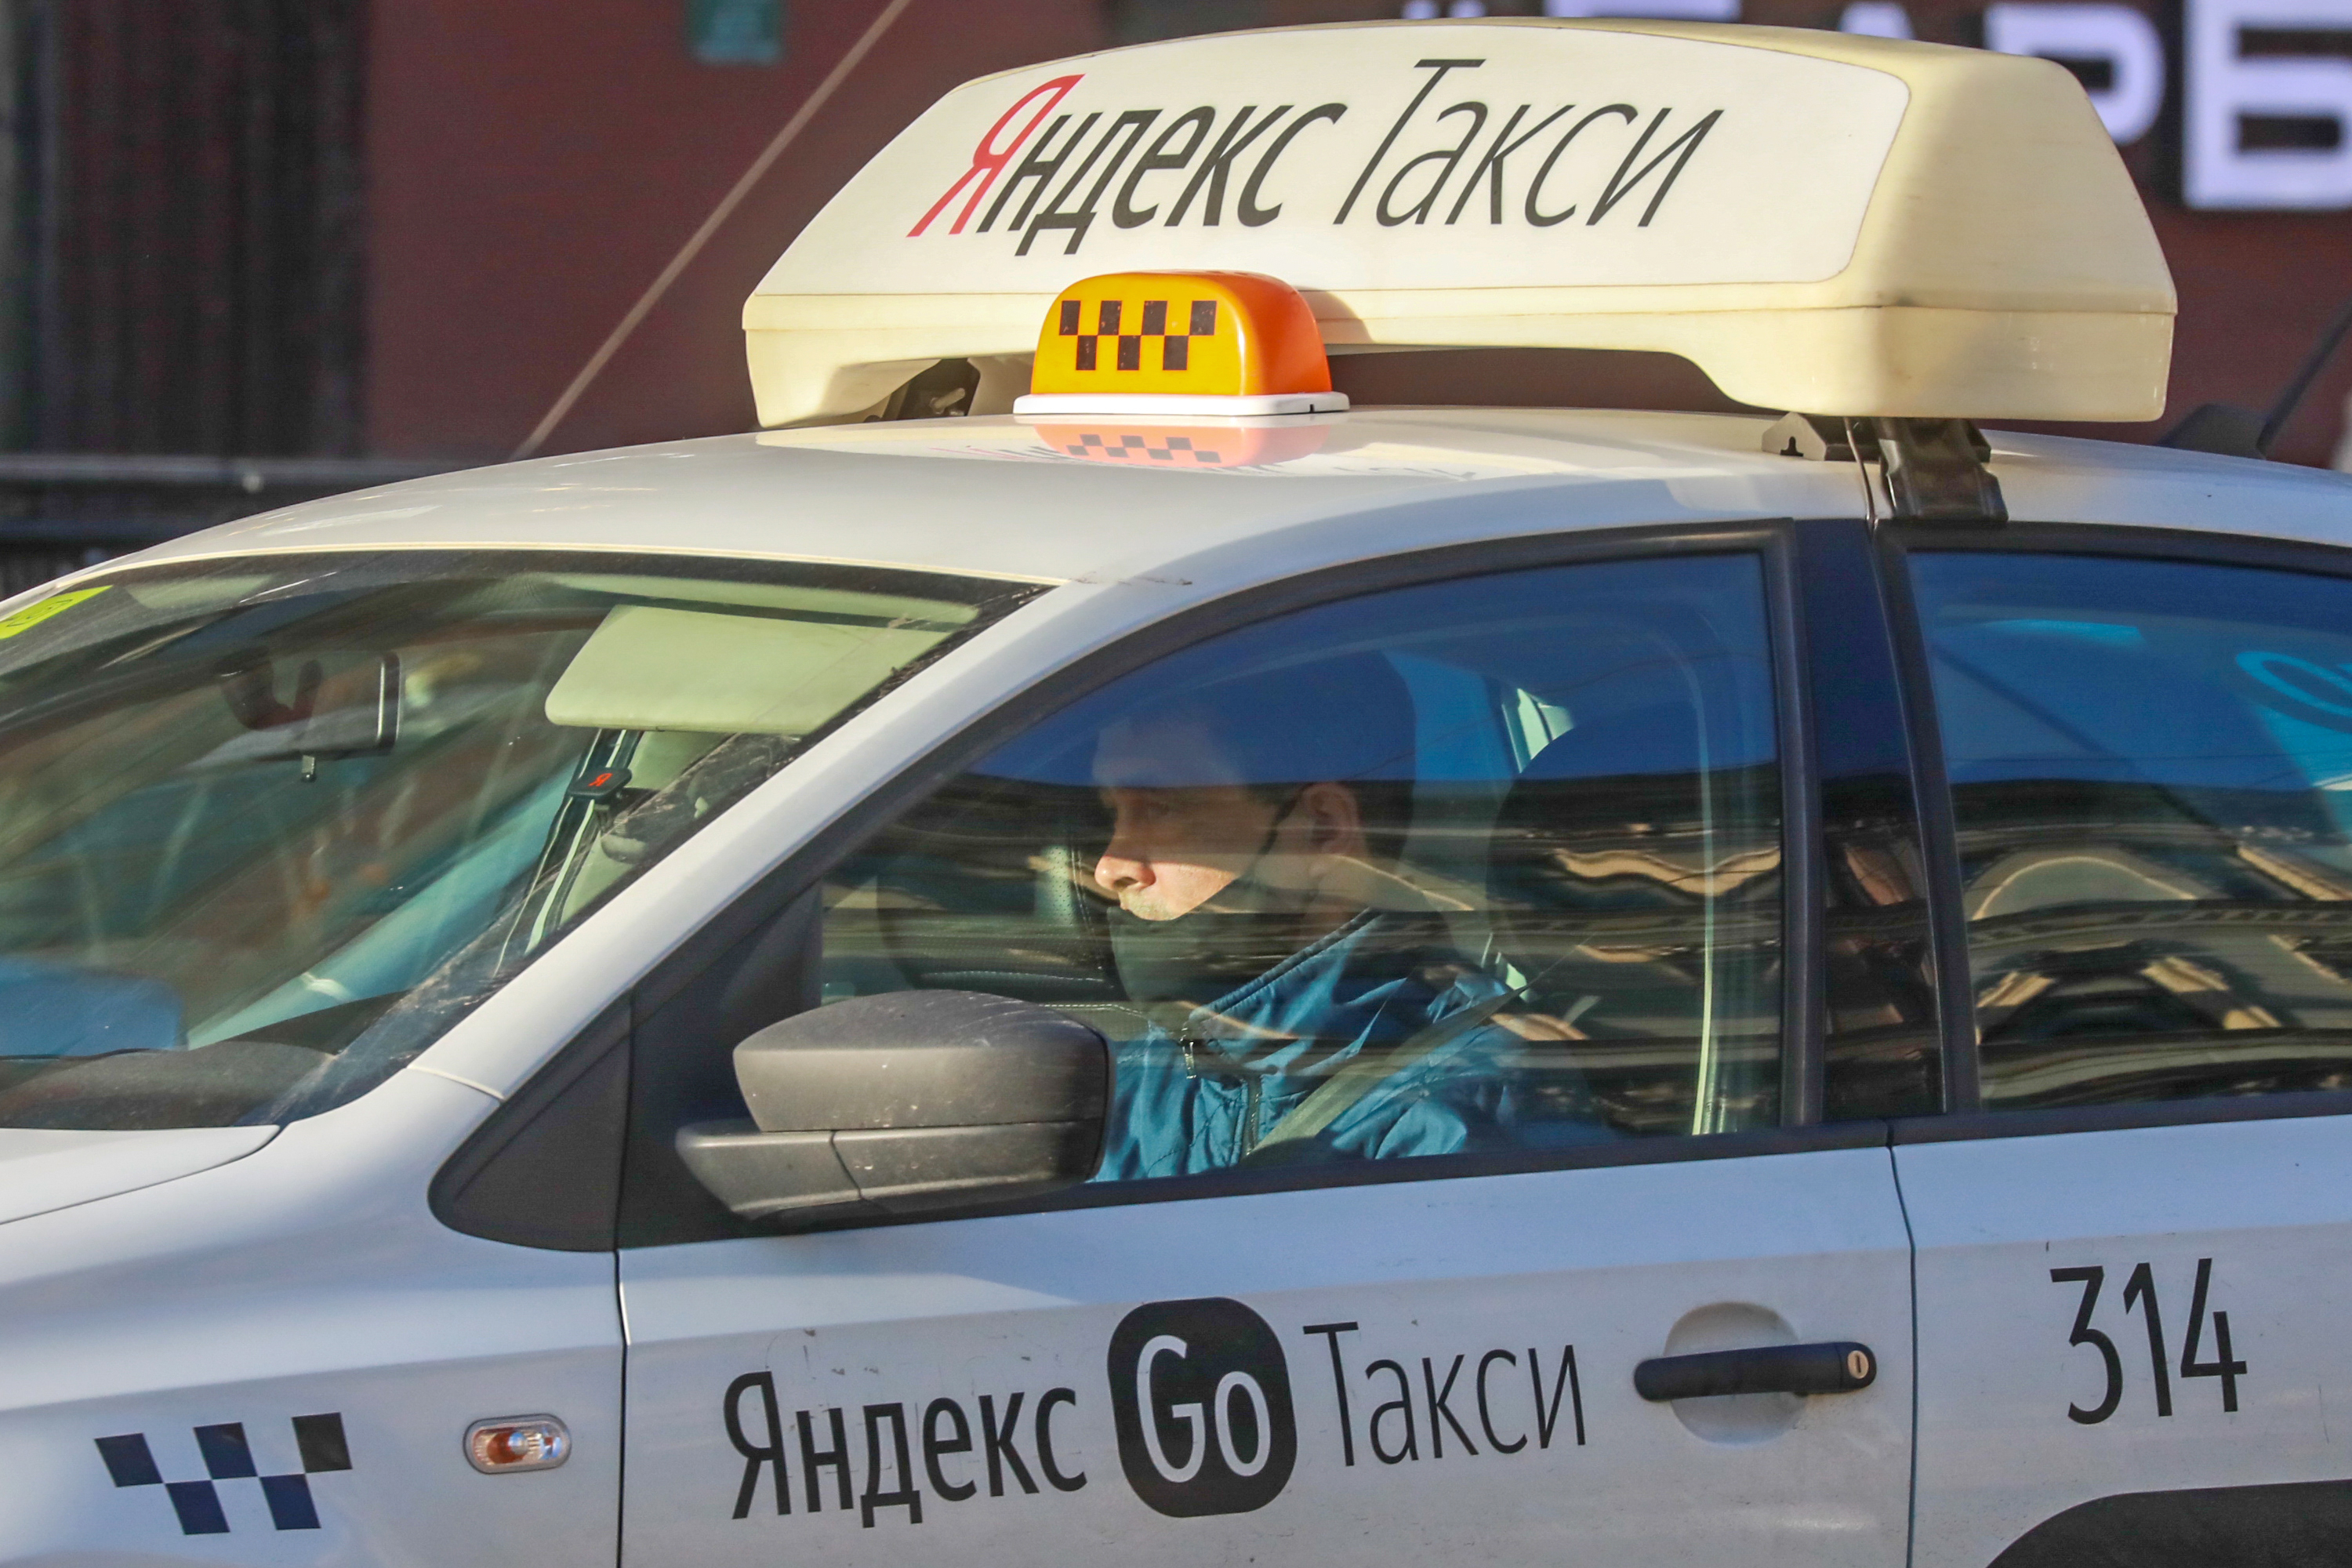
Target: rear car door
(1400,1325)
(2135,1249)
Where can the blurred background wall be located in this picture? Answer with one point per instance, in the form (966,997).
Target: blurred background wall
(254,251)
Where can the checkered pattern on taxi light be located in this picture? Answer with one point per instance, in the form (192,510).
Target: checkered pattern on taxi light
(1214,334)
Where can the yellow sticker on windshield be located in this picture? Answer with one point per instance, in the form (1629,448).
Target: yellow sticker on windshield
(32,616)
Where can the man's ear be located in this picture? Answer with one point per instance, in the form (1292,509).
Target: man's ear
(1335,819)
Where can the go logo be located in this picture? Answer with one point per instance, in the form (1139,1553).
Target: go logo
(1201,1396)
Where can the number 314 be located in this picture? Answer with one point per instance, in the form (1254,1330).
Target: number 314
(2139,1296)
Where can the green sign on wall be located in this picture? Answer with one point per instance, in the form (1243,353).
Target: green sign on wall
(735,32)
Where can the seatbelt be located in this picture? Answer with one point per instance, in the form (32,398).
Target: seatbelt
(1340,1093)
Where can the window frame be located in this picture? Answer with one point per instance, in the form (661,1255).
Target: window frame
(1843,584)
(1775,544)
(1964,1116)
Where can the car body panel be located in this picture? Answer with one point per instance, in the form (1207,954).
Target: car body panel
(239,1276)
(309,1278)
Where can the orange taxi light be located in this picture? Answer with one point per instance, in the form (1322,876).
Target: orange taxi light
(1214,334)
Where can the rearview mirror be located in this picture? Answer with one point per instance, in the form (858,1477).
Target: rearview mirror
(907,1103)
(342,706)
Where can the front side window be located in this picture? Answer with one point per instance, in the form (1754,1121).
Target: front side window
(1488,864)
(269,825)
(2151,773)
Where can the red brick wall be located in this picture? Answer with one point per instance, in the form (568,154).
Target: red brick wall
(534,166)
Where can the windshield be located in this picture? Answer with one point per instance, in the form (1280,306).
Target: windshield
(270,825)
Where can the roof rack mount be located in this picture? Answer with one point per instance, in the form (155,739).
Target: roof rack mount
(1935,470)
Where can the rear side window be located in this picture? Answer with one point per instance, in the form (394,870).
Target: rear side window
(2151,775)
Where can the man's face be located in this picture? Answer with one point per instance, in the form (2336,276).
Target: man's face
(1174,846)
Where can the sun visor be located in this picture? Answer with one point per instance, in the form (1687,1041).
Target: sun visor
(647,666)
(1826,223)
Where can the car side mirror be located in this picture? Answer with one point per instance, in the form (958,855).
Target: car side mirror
(907,1103)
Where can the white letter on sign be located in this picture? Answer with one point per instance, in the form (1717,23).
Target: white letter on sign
(2264,129)
(1249,1388)
(2117,37)
(1188,1412)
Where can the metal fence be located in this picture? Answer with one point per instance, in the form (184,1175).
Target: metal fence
(181,263)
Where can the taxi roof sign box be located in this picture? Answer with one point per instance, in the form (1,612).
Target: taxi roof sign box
(1821,221)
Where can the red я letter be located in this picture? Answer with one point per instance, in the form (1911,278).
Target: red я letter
(988,160)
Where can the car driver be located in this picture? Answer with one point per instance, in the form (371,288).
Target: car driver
(1303,1000)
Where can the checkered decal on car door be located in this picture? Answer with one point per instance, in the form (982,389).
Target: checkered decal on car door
(229,1458)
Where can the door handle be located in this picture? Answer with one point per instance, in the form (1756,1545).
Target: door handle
(1838,1367)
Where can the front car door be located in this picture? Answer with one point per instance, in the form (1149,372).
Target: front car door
(2133,1255)
(1476,1094)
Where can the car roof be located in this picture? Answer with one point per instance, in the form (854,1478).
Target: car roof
(1002,496)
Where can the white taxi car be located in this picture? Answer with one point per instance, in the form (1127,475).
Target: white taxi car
(1158,970)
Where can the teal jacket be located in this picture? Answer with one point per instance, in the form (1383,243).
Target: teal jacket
(1204,1095)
